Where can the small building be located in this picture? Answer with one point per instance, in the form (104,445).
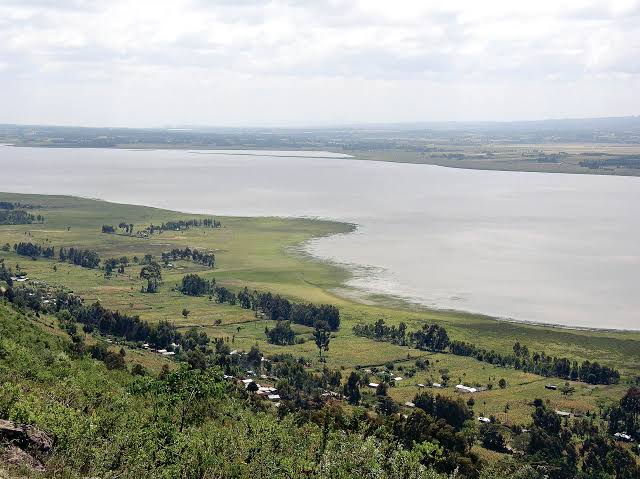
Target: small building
(553,387)
(373,385)
(563,413)
(461,388)
(398,378)
(484,420)
(623,436)
(168,353)
(273,397)
(162,351)
(436,385)
(409,404)
(420,385)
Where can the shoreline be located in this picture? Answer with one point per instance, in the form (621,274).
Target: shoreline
(362,295)
(372,297)
(361,155)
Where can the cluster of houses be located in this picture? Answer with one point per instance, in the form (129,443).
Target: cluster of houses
(395,379)
(19,278)
(263,390)
(161,352)
(461,388)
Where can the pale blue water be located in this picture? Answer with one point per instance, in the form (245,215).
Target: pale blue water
(550,248)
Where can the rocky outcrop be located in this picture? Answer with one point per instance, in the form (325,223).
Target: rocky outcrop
(23,445)
(14,456)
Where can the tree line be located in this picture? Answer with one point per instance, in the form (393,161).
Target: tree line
(433,337)
(8,205)
(540,363)
(34,250)
(70,308)
(197,256)
(85,258)
(180,225)
(274,307)
(110,229)
(19,217)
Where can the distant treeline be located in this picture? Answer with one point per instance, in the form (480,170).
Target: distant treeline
(14,214)
(179,225)
(84,258)
(540,363)
(274,307)
(434,337)
(176,225)
(202,257)
(18,217)
(127,227)
(620,162)
(34,250)
(7,205)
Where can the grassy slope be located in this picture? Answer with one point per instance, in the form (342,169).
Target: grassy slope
(260,253)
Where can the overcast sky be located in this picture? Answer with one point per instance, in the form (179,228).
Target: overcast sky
(309,62)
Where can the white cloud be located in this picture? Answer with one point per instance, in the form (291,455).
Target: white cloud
(276,61)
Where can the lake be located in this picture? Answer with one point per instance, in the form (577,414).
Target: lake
(541,247)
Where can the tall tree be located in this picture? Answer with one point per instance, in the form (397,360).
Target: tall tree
(322,336)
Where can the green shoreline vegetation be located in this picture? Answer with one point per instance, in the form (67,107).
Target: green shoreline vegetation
(244,285)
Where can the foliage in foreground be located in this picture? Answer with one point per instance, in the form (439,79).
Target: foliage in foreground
(185,423)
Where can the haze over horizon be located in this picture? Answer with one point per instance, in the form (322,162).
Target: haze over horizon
(295,63)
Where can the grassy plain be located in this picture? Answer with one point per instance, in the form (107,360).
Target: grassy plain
(263,254)
(538,157)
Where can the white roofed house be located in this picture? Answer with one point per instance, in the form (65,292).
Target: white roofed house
(465,389)
(623,436)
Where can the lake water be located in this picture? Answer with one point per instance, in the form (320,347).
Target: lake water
(551,248)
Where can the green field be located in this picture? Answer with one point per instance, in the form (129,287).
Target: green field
(264,254)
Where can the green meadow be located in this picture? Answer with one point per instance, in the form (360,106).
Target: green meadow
(265,254)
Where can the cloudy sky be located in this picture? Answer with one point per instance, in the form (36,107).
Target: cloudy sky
(312,62)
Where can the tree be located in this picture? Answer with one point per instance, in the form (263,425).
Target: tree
(502,383)
(282,334)
(187,391)
(322,336)
(254,356)
(153,274)
(631,401)
(387,406)
(425,402)
(492,437)
(352,389)
(431,337)
(185,312)
(567,389)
